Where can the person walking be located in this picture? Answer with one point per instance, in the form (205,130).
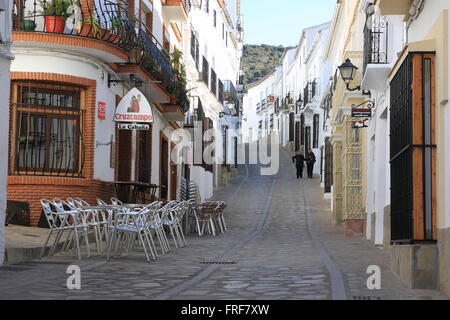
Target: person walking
(310,161)
(299,161)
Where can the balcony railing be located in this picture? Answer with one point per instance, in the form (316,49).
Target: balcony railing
(229,91)
(195,49)
(150,55)
(221,92)
(213,82)
(375,41)
(205,71)
(103,20)
(309,93)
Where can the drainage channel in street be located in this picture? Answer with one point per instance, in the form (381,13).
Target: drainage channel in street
(233,251)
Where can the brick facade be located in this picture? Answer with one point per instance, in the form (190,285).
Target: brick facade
(33,188)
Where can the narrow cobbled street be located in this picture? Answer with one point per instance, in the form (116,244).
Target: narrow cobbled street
(280,245)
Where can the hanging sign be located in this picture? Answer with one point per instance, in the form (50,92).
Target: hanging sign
(360,124)
(362,113)
(134,107)
(133,126)
(364,110)
(101,110)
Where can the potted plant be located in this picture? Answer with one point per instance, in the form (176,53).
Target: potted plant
(55,14)
(92,27)
(28,25)
(116,26)
(180,91)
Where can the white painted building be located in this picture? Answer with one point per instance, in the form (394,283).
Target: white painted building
(213,51)
(288,99)
(83,73)
(5,61)
(380,56)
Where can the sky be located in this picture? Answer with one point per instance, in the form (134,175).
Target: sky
(280,22)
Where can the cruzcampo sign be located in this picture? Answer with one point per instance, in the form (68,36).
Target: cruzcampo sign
(134,107)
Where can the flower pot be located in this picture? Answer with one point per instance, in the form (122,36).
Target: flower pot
(113,38)
(54,24)
(28,25)
(86,30)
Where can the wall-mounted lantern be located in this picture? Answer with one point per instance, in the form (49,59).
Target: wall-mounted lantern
(348,72)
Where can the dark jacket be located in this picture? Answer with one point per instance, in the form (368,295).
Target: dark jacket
(299,160)
(310,158)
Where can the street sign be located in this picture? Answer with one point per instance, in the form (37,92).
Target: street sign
(133,126)
(362,113)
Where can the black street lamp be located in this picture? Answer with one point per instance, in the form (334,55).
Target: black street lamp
(299,104)
(348,72)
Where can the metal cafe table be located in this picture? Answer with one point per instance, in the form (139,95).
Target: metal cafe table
(127,191)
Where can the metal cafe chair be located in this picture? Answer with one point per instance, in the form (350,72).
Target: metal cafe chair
(127,227)
(62,221)
(116,201)
(218,216)
(91,218)
(205,216)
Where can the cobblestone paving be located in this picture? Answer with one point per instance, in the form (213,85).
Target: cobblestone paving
(269,242)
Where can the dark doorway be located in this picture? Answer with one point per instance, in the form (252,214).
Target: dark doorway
(164,167)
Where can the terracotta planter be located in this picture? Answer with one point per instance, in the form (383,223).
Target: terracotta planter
(54,24)
(86,30)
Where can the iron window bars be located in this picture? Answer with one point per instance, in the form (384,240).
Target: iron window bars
(412,148)
(48,136)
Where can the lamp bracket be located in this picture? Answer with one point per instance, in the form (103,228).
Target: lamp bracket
(370,104)
(358,88)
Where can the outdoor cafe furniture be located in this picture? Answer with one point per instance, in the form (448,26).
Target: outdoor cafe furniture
(127,192)
(60,221)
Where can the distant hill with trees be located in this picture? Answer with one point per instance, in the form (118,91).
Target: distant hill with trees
(260,60)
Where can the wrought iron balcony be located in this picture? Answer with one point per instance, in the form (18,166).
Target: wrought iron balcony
(205,71)
(221,92)
(309,92)
(103,20)
(213,82)
(229,91)
(149,54)
(375,41)
(195,50)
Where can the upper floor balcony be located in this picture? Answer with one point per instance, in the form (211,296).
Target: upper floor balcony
(176,10)
(310,92)
(101,28)
(397,7)
(375,54)
(229,91)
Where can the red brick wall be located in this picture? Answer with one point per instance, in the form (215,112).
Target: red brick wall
(33,188)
